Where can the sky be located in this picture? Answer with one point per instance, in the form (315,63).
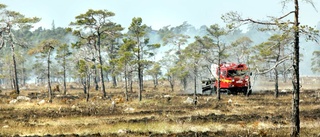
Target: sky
(159,13)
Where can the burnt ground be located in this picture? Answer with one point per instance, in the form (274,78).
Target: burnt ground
(258,115)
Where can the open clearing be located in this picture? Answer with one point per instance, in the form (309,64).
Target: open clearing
(160,113)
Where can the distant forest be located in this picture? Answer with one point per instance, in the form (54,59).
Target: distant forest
(93,49)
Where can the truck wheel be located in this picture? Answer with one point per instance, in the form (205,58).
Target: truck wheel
(244,91)
(228,92)
(250,92)
(213,90)
(235,92)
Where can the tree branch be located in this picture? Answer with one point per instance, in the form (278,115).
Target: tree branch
(310,33)
(265,23)
(234,17)
(292,12)
(272,68)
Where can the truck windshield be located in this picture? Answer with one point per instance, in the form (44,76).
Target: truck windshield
(236,72)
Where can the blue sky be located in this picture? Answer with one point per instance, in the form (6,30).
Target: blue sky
(158,13)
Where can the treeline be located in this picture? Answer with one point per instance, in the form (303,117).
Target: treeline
(94,50)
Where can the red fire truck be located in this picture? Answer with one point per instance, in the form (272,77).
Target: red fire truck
(234,78)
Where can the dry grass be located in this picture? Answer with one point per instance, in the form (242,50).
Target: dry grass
(258,115)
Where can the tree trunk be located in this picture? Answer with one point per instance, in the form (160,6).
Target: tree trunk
(276,85)
(284,73)
(95,79)
(107,77)
(195,100)
(84,84)
(48,76)
(24,77)
(185,83)
(171,81)
(276,73)
(284,65)
(126,82)
(64,76)
(140,71)
(114,81)
(249,90)
(218,85)
(140,80)
(295,79)
(219,74)
(103,89)
(16,83)
(156,81)
(130,81)
(12,80)
(88,86)
(113,67)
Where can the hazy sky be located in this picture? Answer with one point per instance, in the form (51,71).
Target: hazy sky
(158,13)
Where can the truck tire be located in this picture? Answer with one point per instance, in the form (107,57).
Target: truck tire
(249,93)
(228,91)
(244,91)
(213,90)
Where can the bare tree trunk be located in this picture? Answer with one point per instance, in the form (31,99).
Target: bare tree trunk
(103,89)
(88,86)
(249,90)
(140,70)
(112,57)
(156,82)
(12,80)
(276,85)
(276,73)
(126,82)
(130,81)
(84,84)
(218,84)
(95,79)
(107,77)
(48,76)
(24,77)
(284,65)
(219,74)
(64,76)
(16,83)
(295,79)
(185,83)
(195,100)
(140,81)
(284,73)
(114,80)
(171,82)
